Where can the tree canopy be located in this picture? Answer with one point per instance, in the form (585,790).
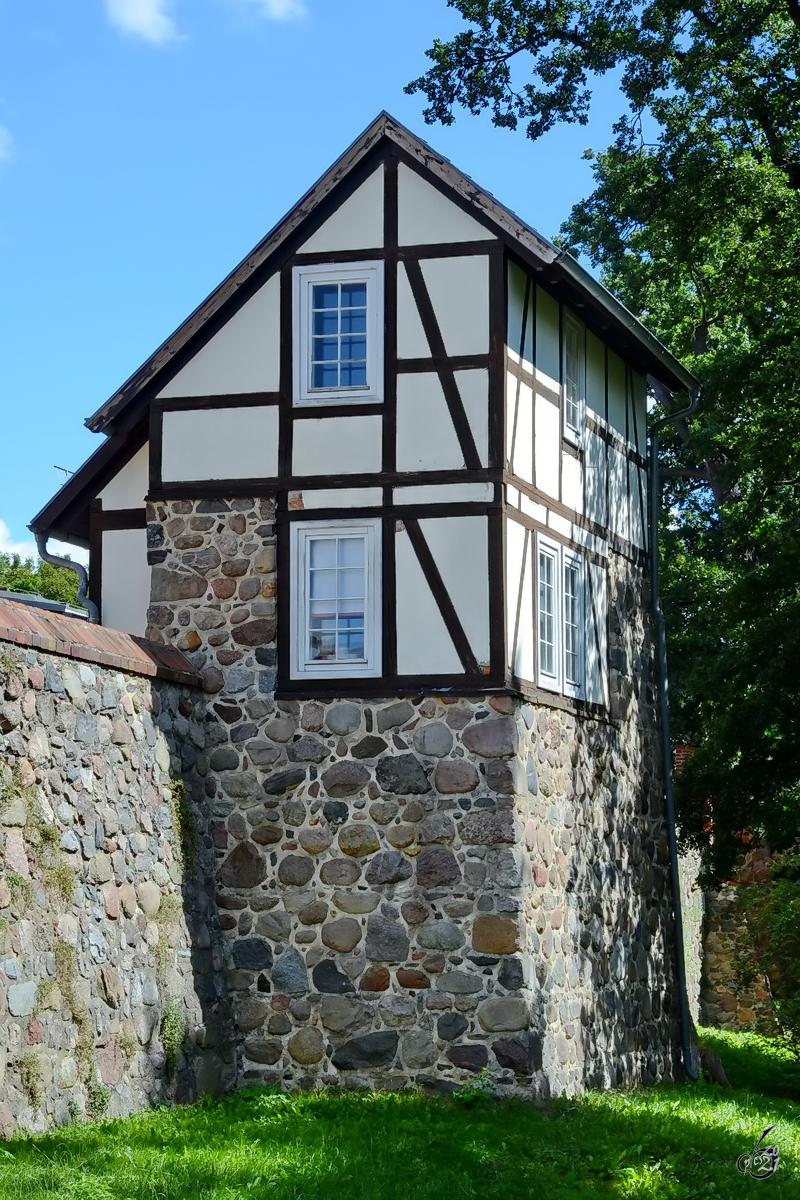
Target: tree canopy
(27,575)
(694,222)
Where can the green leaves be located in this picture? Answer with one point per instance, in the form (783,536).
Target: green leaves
(55,583)
(697,230)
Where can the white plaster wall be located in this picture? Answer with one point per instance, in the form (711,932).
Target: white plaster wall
(426,438)
(424,215)
(618,517)
(340,498)
(130,486)
(411,339)
(337,446)
(519,428)
(244,356)
(517,280)
(616,394)
(460,549)
(548,355)
(595,472)
(596,634)
(571,482)
(459,292)
(519,600)
(473,387)
(638,506)
(220,443)
(595,375)
(445,493)
(357,224)
(126,580)
(424,646)
(547,446)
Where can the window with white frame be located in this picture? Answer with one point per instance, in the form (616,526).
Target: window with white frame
(338,333)
(335,619)
(559,617)
(574,379)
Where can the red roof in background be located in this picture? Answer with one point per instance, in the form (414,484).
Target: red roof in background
(76,638)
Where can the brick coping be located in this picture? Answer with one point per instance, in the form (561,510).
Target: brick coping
(75,638)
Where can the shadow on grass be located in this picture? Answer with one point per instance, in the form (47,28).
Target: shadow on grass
(671,1142)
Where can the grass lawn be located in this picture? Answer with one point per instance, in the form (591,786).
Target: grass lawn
(676,1141)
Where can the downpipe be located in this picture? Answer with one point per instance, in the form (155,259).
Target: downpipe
(666,740)
(78,568)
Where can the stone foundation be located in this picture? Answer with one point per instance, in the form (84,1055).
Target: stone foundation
(411,889)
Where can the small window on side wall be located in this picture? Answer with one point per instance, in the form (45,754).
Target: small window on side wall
(338,334)
(560,623)
(574,373)
(335,614)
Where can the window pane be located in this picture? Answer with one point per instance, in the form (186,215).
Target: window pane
(351,584)
(354,320)
(354,375)
(351,552)
(326,376)
(325,295)
(335,613)
(321,646)
(351,645)
(322,552)
(354,294)
(327,322)
(571,614)
(353,348)
(322,585)
(547,646)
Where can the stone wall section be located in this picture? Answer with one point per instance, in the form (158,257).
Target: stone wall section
(724,1004)
(103,986)
(410,889)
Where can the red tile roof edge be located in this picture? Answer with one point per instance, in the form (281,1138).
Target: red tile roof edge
(72,637)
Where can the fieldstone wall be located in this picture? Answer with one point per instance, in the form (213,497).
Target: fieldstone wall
(724,1003)
(413,888)
(107,968)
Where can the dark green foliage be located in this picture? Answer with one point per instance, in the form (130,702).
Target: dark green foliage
(768,942)
(55,583)
(674,1142)
(695,224)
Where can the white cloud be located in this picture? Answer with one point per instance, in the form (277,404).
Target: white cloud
(277,10)
(28,549)
(6,145)
(149,19)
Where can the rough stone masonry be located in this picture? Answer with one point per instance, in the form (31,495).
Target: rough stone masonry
(415,888)
(204,888)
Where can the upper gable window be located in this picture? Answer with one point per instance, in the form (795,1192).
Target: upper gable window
(338,342)
(574,380)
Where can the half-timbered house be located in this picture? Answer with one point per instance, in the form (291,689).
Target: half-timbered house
(386,488)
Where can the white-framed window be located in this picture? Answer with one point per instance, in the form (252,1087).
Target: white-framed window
(574,372)
(336,609)
(338,333)
(560,617)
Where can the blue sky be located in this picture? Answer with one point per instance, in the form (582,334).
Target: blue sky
(147,145)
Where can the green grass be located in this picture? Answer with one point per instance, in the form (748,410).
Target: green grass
(673,1142)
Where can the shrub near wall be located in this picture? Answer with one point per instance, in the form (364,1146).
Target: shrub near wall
(96,981)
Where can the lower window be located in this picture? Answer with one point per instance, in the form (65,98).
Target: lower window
(335,599)
(559,617)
